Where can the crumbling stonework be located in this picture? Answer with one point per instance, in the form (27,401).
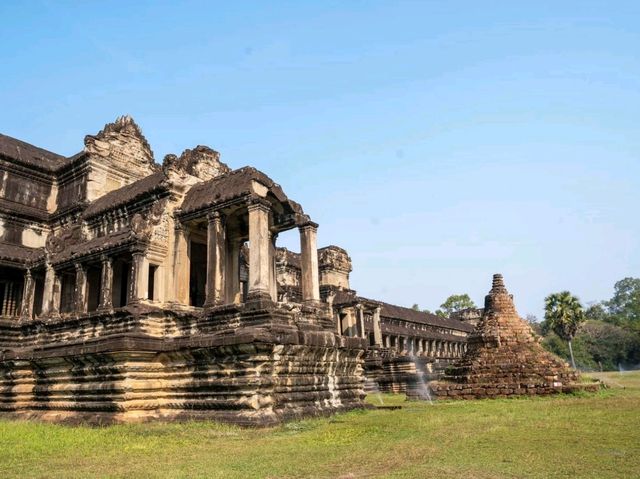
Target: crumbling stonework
(504,358)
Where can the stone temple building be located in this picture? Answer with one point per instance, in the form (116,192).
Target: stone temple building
(131,291)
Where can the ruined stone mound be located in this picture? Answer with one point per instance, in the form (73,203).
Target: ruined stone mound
(504,357)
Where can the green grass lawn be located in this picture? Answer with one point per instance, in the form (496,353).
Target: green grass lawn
(595,435)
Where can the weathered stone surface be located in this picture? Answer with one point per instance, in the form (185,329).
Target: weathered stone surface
(504,358)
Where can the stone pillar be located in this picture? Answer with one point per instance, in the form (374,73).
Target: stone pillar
(272,265)
(259,260)
(139,280)
(181,265)
(360,318)
(56,296)
(215,261)
(47,294)
(106,284)
(232,271)
(377,329)
(81,289)
(27,295)
(310,280)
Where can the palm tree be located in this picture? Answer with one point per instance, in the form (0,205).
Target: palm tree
(564,314)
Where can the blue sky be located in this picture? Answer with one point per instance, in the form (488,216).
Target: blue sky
(438,142)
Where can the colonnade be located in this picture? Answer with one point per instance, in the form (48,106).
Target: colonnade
(223,247)
(137,285)
(424,347)
(350,322)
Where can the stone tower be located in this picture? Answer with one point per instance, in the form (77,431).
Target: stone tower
(504,358)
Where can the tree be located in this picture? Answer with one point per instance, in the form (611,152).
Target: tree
(454,303)
(596,312)
(532,319)
(624,307)
(563,314)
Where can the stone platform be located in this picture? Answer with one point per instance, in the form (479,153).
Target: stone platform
(253,364)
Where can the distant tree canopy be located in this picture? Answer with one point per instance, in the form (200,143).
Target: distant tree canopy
(455,303)
(609,338)
(624,308)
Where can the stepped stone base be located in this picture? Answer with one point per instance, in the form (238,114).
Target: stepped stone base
(401,374)
(251,365)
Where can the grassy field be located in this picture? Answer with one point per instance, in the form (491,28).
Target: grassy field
(570,436)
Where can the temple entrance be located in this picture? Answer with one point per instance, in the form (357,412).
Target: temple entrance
(197,274)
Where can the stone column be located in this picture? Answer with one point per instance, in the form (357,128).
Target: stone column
(106,284)
(47,294)
(259,258)
(27,295)
(56,296)
(81,289)
(181,265)
(232,271)
(352,322)
(377,329)
(272,264)
(360,319)
(215,261)
(310,280)
(139,280)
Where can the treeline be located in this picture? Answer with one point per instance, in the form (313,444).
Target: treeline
(603,336)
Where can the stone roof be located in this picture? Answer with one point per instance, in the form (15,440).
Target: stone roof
(95,245)
(127,194)
(232,185)
(19,209)
(392,311)
(399,312)
(30,155)
(20,254)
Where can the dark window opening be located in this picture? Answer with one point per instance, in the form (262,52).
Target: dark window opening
(94,287)
(120,287)
(152,281)
(198,274)
(67,292)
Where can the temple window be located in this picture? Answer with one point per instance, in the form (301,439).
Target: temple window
(94,286)
(67,290)
(121,275)
(153,270)
(11,286)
